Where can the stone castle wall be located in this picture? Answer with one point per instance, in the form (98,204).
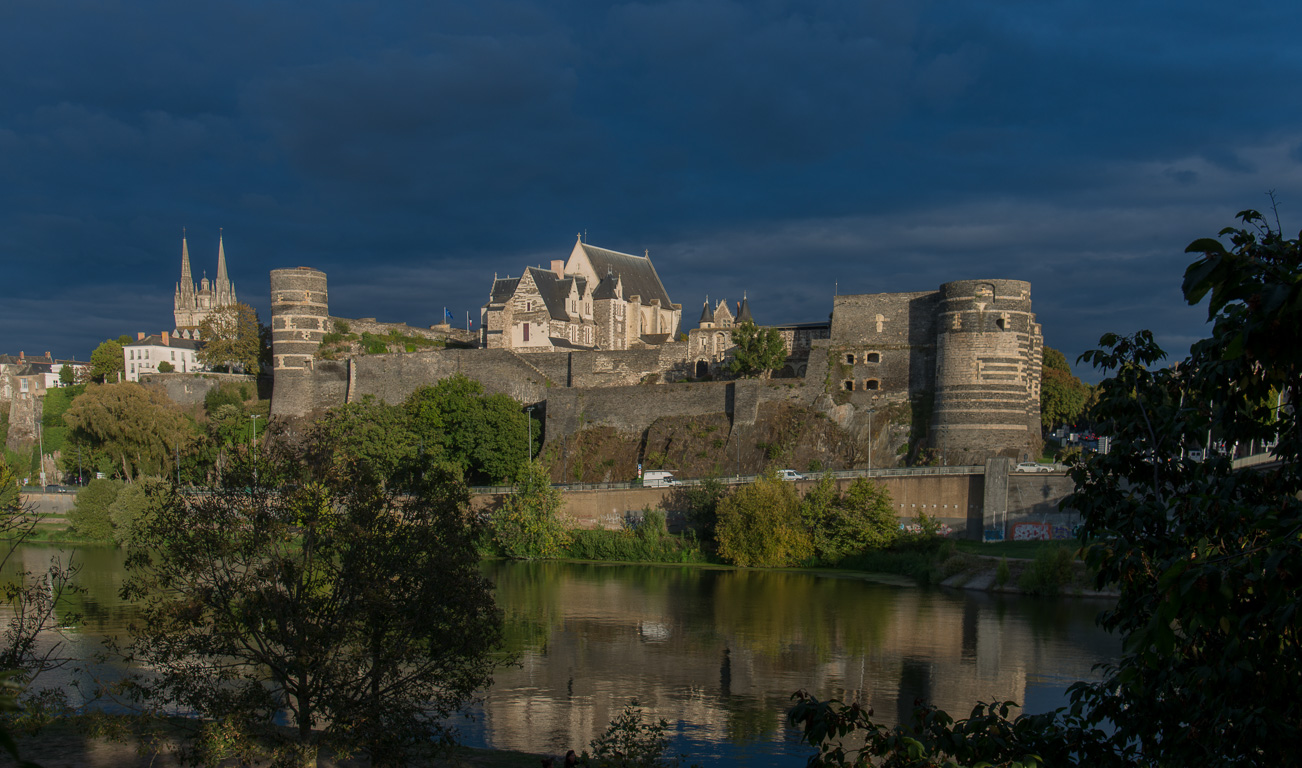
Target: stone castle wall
(972,349)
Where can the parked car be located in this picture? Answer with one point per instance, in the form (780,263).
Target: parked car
(1032,466)
(790,475)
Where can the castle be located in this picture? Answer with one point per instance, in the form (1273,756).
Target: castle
(192,304)
(597,299)
(965,359)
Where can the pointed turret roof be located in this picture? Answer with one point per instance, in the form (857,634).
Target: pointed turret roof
(706,315)
(743,314)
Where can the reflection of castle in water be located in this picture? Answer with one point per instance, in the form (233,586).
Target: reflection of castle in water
(722,651)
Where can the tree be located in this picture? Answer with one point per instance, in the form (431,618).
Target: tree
(1207,559)
(1063,396)
(138,427)
(232,339)
(847,523)
(354,611)
(166,367)
(757,351)
(106,362)
(486,435)
(367,441)
(528,526)
(759,525)
(67,375)
(90,514)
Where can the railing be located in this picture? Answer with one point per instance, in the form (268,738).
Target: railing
(742,479)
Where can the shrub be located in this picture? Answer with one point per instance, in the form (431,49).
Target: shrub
(134,507)
(629,742)
(226,393)
(1048,572)
(1001,573)
(89,516)
(166,367)
(843,524)
(528,526)
(760,525)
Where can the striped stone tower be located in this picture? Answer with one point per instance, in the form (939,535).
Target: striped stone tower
(300,317)
(988,358)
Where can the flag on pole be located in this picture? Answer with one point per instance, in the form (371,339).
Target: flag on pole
(447,313)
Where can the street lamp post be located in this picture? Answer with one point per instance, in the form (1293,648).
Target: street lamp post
(528,430)
(253,425)
(870,438)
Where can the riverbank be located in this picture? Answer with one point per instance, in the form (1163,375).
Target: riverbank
(66,744)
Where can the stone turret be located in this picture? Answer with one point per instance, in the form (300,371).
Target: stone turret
(300,318)
(988,352)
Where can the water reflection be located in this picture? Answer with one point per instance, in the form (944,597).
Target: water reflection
(719,652)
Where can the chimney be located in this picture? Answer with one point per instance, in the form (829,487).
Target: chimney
(140,335)
(21,356)
(166,341)
(558,267)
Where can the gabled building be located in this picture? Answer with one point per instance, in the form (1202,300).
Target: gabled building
(145,353)
(597,299)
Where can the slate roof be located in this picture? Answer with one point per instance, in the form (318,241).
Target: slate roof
(503,290)
(608,288)
(156,340)
(706,315)
(636,272)
(554,291)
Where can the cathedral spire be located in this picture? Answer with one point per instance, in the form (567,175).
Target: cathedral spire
(187,279)
(222,278)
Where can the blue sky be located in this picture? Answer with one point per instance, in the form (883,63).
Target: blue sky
(412,150)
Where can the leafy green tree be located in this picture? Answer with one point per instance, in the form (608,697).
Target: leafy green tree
(368,441)
(847,523)
(759,525)
(1063,396)
(700,503)
(138,427)
(758,350)
(90,515)
(528,525)
(67,375)
(486,435)
(353,612)
(134,506)
(107,362)
(166,367)
(231,339)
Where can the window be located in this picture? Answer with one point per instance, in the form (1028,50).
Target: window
(872,357)
(849,359)
(872,385)
(526,331)
(849,385)
(528,307)
(173,354)
(1000,323)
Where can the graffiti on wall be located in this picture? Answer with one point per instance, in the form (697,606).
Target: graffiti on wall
(1040,532)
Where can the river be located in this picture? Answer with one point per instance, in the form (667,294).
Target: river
(718,652)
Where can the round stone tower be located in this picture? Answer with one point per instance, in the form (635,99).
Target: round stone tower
(300,317)
(988,356)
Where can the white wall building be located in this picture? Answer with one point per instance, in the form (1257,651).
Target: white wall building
(145,353)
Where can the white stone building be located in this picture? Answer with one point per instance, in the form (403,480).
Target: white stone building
(145,353)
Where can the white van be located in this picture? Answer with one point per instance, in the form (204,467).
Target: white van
(658,478)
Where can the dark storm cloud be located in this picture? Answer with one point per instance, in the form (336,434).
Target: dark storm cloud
(773,148)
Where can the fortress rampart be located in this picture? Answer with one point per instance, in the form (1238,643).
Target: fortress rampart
(966,358)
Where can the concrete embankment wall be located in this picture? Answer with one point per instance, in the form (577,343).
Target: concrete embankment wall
(955,500)
(52,505)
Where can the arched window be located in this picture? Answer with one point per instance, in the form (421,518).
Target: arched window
(872,357)
(849,385)
(702,369)
(872,385)
(849,358)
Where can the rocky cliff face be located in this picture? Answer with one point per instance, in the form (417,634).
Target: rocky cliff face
(784,435)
